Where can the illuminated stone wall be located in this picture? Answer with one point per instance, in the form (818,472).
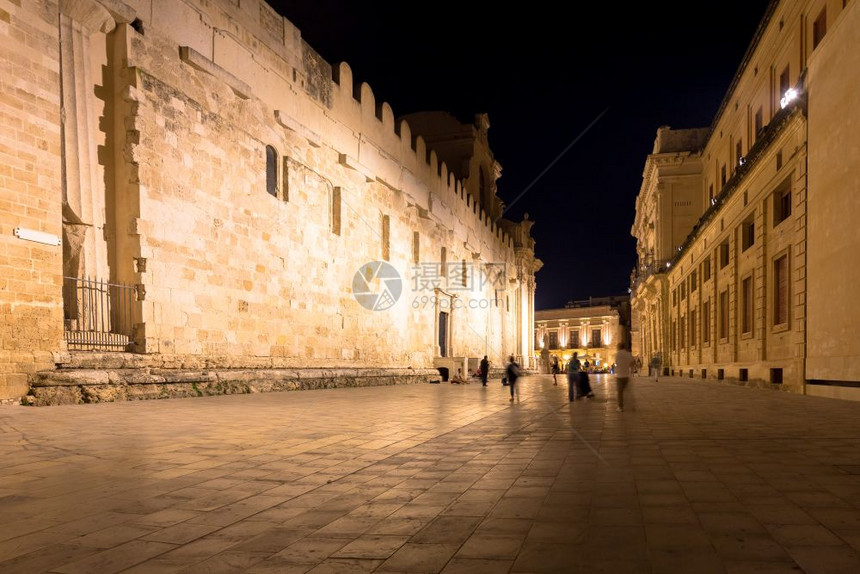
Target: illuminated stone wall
(239,182)
(30,196)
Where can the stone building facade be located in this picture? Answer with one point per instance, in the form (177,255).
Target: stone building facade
(746,231)
(189,184)
(591,328)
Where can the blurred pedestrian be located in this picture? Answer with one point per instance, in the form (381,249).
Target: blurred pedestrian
(512,372)
(623,367)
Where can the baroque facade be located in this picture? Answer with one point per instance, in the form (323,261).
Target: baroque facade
(591,328)
(189,184)
(747,231)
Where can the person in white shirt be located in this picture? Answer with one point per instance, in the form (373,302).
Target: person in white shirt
(623,363)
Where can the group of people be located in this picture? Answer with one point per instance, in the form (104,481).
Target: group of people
(483,372)
(578,384)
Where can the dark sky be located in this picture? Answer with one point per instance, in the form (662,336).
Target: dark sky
(543,77)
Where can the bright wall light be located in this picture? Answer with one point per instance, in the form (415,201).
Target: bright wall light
(790,95)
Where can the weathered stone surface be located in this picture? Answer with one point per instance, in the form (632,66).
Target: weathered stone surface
(93,386)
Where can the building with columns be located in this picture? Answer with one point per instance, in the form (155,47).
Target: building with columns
(193,201)
(592,328)
(746,230)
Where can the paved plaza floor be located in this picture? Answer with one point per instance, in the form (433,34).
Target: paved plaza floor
(693,477)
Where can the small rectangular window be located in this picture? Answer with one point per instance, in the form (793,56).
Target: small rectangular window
(694,283)
(748,232)
(553,340)
(595,338)
(784,82)
(782,202)
(819,28)
(683,332)
(706,269)
(683,289)
(780,290)
(706,322)
(739,153)
(722,176)
(693,340)
(721,374)
(747,305)
(574,340)
(776,376)
(743,375)
(724,314)
(674,335)
(759,122)
(724,254)
(711,193)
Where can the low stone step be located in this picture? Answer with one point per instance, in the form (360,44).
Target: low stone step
(74,386)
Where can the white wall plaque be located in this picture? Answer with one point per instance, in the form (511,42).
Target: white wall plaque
(37,236)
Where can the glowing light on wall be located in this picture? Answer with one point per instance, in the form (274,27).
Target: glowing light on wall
(790,95)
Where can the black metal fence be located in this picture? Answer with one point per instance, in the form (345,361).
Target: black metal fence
(98,315)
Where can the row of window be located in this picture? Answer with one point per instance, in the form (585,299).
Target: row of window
(781,208)
(819,30)
(553,341)
(684,331)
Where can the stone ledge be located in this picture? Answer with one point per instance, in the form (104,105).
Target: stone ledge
(76,386)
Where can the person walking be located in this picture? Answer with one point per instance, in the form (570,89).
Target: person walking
(512,372)
(623,367)
(573,367)
(655,364)
(485,370)
(555,370)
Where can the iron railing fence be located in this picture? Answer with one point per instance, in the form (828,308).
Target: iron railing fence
(98,314)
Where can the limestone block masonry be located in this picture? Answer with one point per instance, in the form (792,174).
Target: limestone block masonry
(215,187)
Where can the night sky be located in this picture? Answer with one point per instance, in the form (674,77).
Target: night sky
(544,77)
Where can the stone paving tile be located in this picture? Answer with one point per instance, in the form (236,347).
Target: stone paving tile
(693,477)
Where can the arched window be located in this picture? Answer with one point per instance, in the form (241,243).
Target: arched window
(271,171)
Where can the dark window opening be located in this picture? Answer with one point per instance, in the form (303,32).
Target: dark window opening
(819,28)
(759,122)
(743,375)
(704,373)
(271,171)
(782,202)
(784,82)
(748,232)
(747,305)
(721,374)
(776,376)
(724,254)
(780,287)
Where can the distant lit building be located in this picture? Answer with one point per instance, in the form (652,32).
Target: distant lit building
(591,328)
(748,231)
